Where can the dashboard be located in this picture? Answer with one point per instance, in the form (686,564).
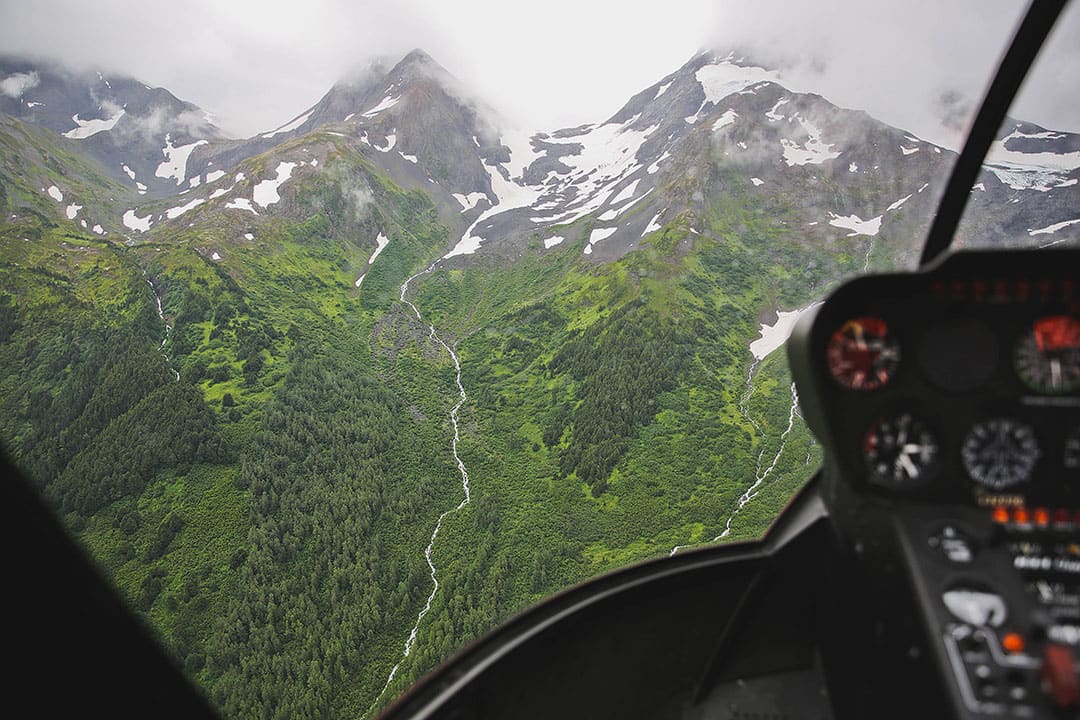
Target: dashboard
(948,404)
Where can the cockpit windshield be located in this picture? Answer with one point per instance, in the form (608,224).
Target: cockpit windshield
(329,398)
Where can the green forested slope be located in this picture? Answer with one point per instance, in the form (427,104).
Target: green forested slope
(268,511)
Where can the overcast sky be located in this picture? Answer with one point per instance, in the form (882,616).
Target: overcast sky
(257,63)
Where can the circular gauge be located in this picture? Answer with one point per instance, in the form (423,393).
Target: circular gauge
(1048,356)
(1000,453)
(862,355)
(900,453)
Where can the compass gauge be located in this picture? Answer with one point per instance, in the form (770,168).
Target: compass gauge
(862,354)
(1000,453)
(900,453)
(1048,355)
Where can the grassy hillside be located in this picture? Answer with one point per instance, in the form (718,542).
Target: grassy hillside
(260,467)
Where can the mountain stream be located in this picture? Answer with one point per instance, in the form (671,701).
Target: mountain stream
(759,474)
(410,642)
(168,328)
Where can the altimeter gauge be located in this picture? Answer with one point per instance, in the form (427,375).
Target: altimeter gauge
(1048,355)
(862,354)
(900,453)
(1000,453)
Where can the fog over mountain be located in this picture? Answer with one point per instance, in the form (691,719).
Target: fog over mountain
(559,64)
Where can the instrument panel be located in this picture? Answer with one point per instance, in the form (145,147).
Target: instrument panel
(948,405)
(960,384)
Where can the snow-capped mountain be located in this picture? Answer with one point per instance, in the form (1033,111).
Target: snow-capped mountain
(141,136)
(718,128)
(722,125)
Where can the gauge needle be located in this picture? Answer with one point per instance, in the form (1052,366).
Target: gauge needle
(909,467)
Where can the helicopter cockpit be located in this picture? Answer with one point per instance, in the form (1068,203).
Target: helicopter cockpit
(930,569)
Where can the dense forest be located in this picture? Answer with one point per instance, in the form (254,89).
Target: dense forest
(260,467)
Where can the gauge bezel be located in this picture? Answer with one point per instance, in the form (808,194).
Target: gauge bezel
(930,469)
(979,476)
(1023,348)
(882,376)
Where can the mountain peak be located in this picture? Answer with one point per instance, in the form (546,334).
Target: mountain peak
(417,56)
(418,65)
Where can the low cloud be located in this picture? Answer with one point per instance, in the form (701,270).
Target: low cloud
(919,65)
(15,85)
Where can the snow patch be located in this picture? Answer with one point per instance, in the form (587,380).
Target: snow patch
(653,225)
(98,229)
(176,157)
(241,204)
(385,103)
(1049,229)
(508,195)
(411,158)
(88,128)
(73,210)
(853,168)
(814,152)
(723,79)
(601,234)
(129,171)
(772,115)
(775,335)
(1025,177)
(758,182)
(266,192)
(380,242)
(1001,155)
(553,241)
(908,151)
(214,176)
(249,236)
(656,165)
(856,225)
(55,194)
(173,213)
(626,193)
(897,205)
(215,256)
(134,222)
(391,141)
(468,202)
(728,118)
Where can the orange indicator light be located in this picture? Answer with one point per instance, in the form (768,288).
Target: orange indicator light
(1042,517)
(1021,516)
(1001,515)
(1013,642)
